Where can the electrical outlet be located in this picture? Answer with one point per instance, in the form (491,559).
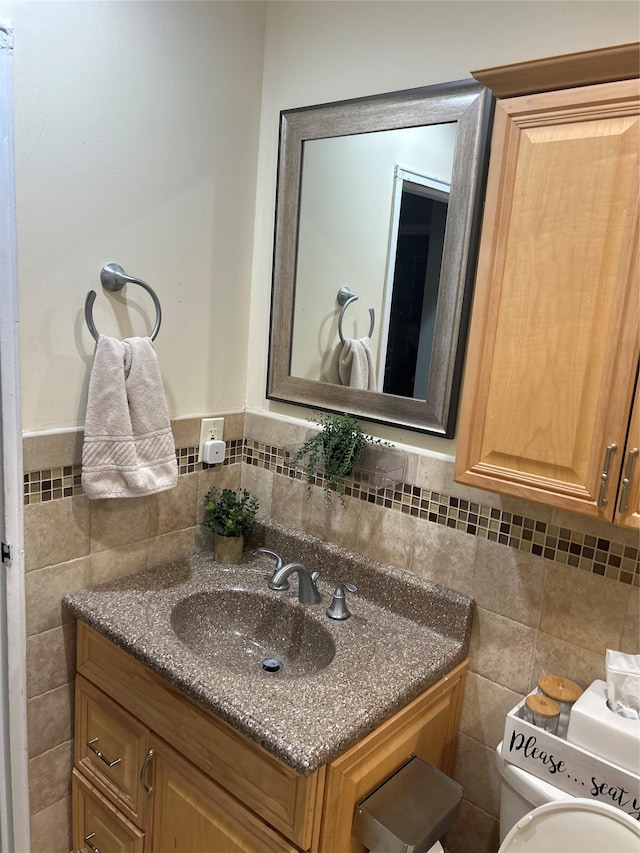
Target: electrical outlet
(210,428)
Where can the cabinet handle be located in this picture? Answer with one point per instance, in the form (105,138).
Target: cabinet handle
(624,495)
(148,789)
(604,477)
(87,843)
(100,755)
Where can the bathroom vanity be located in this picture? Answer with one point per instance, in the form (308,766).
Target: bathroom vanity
(181,748)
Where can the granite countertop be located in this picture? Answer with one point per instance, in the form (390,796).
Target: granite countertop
(372,664)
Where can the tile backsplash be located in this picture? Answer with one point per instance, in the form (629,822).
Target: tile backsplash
(552,590)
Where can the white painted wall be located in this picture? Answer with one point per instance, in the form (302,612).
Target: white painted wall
(318,52)
(136,142)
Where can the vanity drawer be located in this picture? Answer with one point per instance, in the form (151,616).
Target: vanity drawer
(97,825)
(110,749)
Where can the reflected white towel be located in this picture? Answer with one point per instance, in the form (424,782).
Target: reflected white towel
(355,365)
(128,447)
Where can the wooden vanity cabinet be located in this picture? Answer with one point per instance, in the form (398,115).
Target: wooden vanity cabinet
(553,349)
(200,785)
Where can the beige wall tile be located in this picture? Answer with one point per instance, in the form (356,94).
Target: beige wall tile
(118,521)
(557,657)
(170,547)
(174,509)
(501,650)
(485,708)
(436,473)
(443,555)
(186,431)
(51,828)
(45,589)
(288,501)
(118,562)
(273,430)
(385,536)
(582,608)
(333,522)
(49,719)
(56,531)
(478,774)
(222,477)
(51,659)
(259,481)
(508,582)
(630,639)
(474,831)
(614,532)
(52,451)
(50,777)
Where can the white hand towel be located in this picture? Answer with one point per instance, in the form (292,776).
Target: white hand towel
(128,448)
(355,365)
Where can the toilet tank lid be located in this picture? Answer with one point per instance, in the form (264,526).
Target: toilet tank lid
(577,824)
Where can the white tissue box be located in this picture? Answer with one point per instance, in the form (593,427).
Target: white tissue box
(569,767)
(592,725)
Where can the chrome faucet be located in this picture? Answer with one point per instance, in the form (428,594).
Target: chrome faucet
(307,589)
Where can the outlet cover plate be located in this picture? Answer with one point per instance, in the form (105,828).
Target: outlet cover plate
(210,428)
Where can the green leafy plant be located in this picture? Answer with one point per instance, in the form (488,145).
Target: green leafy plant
(229,513)
(332,452)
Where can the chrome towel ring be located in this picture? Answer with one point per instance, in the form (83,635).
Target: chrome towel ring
(345,297)
(113,278)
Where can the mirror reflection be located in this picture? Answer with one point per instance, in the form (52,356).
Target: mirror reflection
(368,205)
(376,216)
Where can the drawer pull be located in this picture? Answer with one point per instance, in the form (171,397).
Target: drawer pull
(148,789)
(100,755)
(604,477)
(87,843)
(624,496)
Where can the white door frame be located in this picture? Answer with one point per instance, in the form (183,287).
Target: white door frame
(14,768)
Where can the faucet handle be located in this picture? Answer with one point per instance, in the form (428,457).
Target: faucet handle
(284,586)
(338,608)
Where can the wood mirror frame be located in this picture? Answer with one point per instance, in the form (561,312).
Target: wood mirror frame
(469,104)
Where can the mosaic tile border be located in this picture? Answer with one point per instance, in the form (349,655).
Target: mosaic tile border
(561,544)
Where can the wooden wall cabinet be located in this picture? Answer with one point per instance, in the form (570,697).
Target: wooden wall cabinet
(553,349)
(166,776)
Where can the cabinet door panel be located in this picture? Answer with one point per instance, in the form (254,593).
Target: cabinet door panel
(553,345)
(191,813)
(103,726)
(98,826)
(628,506)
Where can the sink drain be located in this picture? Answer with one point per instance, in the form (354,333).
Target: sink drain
(271,665)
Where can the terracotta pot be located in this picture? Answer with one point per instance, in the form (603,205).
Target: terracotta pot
(228,549)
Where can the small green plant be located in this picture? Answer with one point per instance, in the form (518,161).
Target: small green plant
(333,452)
(229,513)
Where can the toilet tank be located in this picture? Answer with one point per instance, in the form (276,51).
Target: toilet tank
(520,792)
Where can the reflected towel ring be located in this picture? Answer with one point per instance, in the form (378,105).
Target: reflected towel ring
(345,297)
(113,278)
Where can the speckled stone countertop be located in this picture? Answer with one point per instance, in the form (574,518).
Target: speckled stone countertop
(340,680)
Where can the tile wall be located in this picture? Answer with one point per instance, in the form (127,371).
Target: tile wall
(552,590)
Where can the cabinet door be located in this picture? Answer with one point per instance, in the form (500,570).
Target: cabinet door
(553,347)
(628,506)
(191,813)
(97,826)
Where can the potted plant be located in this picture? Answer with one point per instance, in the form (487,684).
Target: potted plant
(333,452)
(229,515)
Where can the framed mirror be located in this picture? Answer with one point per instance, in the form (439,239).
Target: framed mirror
(377,219)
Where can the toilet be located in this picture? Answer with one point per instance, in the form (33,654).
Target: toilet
(536,817)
